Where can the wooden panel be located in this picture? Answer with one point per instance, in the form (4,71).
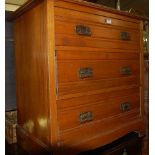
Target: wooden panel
(53,124)
(68,27)
(84,41)
(105,138)
(75,89)
(31,144)
(93,49)
(100,109)
(86,54)
(89,131)
(82,16)
(101,69)
(32,73)
(96,9)
(90,99)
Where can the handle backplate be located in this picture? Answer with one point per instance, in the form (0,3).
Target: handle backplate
(124,36)
(85,72)
(83,30)
(125,106)
(125,70)
(85,117)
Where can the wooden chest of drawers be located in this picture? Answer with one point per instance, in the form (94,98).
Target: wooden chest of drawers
(79,70)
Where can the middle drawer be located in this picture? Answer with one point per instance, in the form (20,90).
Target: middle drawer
(84,70)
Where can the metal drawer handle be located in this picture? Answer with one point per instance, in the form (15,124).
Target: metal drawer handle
(85,117)
(85,72)
(83,30)
(125,106)
(125,71)
(125,36)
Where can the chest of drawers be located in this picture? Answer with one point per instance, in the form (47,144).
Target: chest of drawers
(79,71)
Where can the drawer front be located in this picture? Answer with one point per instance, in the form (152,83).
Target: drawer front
(95,98)
(76,53)
(97,19)
(96,107)
(79,29)
(77,89)
(83,41)
(97,134)
(84,70)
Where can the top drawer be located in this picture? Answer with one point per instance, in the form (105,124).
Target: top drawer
(79,29)
(97,19)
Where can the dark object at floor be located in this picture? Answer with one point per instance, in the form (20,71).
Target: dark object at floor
(130,144)
(14,149)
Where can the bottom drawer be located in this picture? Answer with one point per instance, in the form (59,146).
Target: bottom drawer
(115,125)
(130,144)
(80,111)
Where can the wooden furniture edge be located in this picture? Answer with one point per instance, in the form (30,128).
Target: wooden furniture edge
(31,143)
(31,3)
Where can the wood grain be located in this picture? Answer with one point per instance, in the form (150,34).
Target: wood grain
(68,27)
(89,131)
(70,103)
(50,94)
(102,109)
(85,54)
(93,49)
(76,89)
(82,16)
(63,40)
(101,69)
(98,9)
(32,74)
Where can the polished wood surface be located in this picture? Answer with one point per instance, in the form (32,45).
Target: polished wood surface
(78,89)
(92,135)
(67,26)
(72,53)
(96,98)
(100,69)
(51,94)
(83,16)
(101,109)
(32,74)
(97,9)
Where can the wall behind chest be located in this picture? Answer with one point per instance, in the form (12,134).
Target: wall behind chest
(10,84)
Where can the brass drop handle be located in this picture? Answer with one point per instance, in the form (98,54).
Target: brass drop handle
(124,153)
(83,30)
(125,106)
(125,36)
(125,70)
